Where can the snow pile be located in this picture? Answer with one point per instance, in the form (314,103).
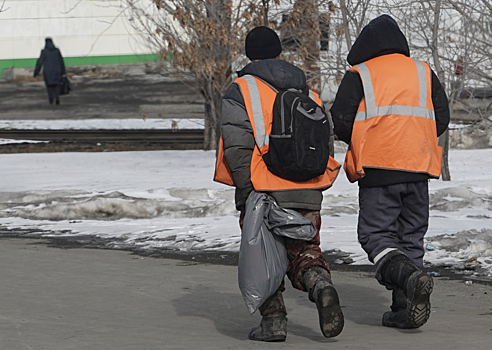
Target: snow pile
(60,205)
(456,198)
(465,250)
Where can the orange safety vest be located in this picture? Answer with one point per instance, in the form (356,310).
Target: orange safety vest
(259,98)
(395,125)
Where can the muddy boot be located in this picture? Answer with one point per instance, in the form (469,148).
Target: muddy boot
(317,281)
(397,271)
(271,329)
(273,326)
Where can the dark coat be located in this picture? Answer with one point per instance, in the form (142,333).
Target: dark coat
(52,62)
(381,36)
(237,133)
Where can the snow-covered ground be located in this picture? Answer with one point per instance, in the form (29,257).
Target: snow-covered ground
(92,124)
(167,200)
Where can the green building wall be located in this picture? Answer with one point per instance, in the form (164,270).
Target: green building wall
(80,61)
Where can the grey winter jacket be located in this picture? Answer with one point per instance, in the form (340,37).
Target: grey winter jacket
(52,62)
(237,133)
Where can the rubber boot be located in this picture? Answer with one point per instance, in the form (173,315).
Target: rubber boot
(271,329)
(273,326)
(399,300)
(321,291)
(398,271)
(399,303)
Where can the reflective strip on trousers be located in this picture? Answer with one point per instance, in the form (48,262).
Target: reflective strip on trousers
(373,111)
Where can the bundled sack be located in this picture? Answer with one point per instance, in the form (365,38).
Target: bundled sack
(262,256)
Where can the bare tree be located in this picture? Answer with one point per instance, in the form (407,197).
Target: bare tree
(474,36)
(354,17)
(439,29)
(305,17)
(429,20)
(347,20)
(2,6)
(423,26)
(304,28)
(444,138)
(203,41)
(457,35)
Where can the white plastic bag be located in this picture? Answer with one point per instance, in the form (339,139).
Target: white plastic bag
(262,256)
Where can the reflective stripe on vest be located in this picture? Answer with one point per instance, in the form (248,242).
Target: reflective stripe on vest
(314,97)
(372,111)
(259,98)
(395,126)
(261,136)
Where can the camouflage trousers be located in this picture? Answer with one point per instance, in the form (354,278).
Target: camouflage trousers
(302,256)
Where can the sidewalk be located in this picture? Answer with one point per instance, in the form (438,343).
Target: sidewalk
(61,299)
(103,97)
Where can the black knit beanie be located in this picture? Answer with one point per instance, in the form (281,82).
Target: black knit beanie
(262,43)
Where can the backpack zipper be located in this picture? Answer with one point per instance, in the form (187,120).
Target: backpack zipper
(282,112)
(292,113)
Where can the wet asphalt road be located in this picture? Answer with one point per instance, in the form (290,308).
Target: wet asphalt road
(60,299)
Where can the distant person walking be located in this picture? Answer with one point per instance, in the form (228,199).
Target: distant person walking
(53,69)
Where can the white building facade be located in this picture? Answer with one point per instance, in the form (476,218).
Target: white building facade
(86,32)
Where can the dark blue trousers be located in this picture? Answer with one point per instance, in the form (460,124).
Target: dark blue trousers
(394,217)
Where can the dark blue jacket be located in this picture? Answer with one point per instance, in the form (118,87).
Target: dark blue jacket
(52,62)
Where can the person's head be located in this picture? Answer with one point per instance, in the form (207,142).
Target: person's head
(48,40)
(262,43)
(381,36)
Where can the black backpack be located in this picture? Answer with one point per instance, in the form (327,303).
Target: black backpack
(300,137)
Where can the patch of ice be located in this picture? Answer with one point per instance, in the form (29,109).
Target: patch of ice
(8,141)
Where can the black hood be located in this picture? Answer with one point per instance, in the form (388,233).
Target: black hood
(49,45)
(381,36)
(279,73)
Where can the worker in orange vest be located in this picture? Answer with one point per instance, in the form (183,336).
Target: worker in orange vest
(390,109)
(245,126)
